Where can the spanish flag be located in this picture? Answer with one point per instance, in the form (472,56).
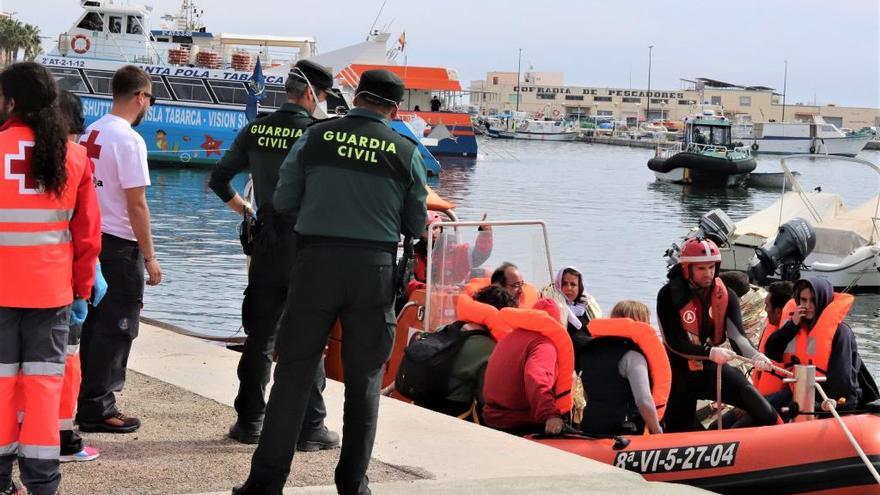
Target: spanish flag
(402,41)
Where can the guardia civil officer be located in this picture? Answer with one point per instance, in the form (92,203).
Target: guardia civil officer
(354,186)
(261,147)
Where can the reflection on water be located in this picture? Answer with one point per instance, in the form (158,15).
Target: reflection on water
(605,213)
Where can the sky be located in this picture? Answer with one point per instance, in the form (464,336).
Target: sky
(832,46)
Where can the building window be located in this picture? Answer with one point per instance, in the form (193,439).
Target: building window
(745,101)
(100,81)
(575,97)
(70,80)
(658,101)
(546,96)
(189,89)
(92,21)
(716,100)
(687,102)
(229,92)
(160,91)
(629,99)
(601,98)
(495,81)
(604,113)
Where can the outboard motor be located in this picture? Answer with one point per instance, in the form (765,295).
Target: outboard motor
(794,242)
(714,225)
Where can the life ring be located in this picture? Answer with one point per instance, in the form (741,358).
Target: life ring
(78,49)
(754,146)
(556,113)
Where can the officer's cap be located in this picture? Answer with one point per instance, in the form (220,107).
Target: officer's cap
(319,76)
(382,84)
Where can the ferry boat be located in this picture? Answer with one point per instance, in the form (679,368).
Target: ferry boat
(443,132)
(200,79)
(817,137)
(707,156)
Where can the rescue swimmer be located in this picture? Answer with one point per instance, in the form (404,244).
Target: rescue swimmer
(261,148)
(350,212)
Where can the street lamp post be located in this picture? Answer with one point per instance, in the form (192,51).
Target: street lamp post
(648,108)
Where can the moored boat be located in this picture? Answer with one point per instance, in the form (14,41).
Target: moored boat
(540,130)
(817,137)
(707,156)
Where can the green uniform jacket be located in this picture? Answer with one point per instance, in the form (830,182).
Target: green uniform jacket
(261,148)
(354,178)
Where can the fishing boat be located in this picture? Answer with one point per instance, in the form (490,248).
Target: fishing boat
(816,137)
(540,130)
(707,156)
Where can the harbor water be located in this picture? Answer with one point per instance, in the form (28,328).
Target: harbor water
(605,214)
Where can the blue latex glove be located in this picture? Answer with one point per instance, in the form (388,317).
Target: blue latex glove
(78,311)
(100,287)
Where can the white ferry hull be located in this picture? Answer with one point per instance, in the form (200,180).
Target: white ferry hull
(844,146)
(538,136)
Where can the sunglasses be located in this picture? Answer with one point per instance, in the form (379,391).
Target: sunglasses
(148,95)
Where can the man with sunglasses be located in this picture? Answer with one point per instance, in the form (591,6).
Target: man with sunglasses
(121,177)
(260,148)
(354,186)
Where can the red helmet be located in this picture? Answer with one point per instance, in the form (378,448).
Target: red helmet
(433,217)
(698,251)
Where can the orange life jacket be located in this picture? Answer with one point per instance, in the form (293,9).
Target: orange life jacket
(814,346)
(467,309)
(527,299)
(36,247)
(767,383)
(649,344)
(533,320)
(692,312)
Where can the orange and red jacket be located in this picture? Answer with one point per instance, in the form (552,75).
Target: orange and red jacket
(49,244)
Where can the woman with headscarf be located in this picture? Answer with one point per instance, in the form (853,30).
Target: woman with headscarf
(582,307)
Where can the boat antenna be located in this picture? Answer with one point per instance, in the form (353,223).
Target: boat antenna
(784,87)
(518,70)
(376,19)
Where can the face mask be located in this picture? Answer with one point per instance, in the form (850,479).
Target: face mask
(321,110)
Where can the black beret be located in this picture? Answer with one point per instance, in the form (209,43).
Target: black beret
(381,83)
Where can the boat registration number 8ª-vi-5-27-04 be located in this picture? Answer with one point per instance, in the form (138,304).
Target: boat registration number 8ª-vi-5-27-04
(678,459)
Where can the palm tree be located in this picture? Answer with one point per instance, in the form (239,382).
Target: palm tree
(32,43)
(15,37)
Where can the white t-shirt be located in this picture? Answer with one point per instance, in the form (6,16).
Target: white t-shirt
(120,157)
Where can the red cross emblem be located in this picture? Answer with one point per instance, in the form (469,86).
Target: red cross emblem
(93,149)
(18,168)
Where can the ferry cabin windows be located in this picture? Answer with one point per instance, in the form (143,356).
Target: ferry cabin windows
(100,81)
(134,25)
(745,101)
(160,91)
(114,24)
(189,89)
(70,80)
(229,92)
(92,21)
(275,97)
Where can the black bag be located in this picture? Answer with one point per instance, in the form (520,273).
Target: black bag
(247,232)
(427,361)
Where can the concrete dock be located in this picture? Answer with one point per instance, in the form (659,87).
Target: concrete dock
(183,389)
